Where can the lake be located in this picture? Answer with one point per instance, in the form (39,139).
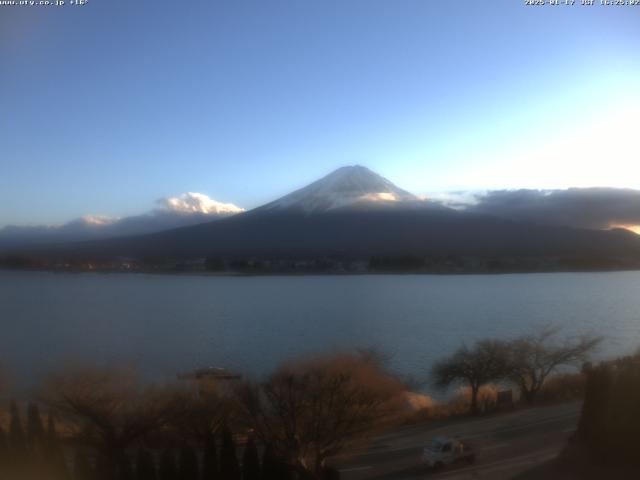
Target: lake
(164,324)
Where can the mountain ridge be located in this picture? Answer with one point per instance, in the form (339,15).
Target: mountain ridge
(337,217)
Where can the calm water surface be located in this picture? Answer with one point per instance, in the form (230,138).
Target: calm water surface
(164,324)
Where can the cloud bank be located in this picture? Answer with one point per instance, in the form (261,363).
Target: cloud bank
(594,208)
(172,212)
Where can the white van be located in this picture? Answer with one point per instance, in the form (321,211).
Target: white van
(447,451)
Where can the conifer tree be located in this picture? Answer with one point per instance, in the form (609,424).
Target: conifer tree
(125,470)
(104,469)
(229,467)
(268,462)
(270,465)
(17,441)
(35,429)
(145,465)
(19,459)
(53,454)
(51,434)
(188,463)
(82,467)
(210,460)
(250,461)
(4,451)
(168,470)
(284,470)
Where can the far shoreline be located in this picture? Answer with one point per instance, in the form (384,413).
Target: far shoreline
(241,274)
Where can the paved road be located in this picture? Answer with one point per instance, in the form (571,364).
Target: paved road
(507,444)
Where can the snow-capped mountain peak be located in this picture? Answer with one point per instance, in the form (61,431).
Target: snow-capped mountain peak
(348,186)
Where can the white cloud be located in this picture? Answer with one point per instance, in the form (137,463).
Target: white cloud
(180,211)
(380,197)
(98,220)
(193,202)
(457,200)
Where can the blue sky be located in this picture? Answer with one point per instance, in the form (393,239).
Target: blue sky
(107,107)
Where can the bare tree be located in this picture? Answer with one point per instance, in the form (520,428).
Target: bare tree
(485,362)
(535,356)
(109,410)
(202,409)
(309,411)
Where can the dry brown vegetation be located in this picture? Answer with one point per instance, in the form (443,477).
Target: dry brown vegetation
(115,427)
(311,410)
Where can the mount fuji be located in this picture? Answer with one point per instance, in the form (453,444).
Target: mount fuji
(348,187)
(357,215)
